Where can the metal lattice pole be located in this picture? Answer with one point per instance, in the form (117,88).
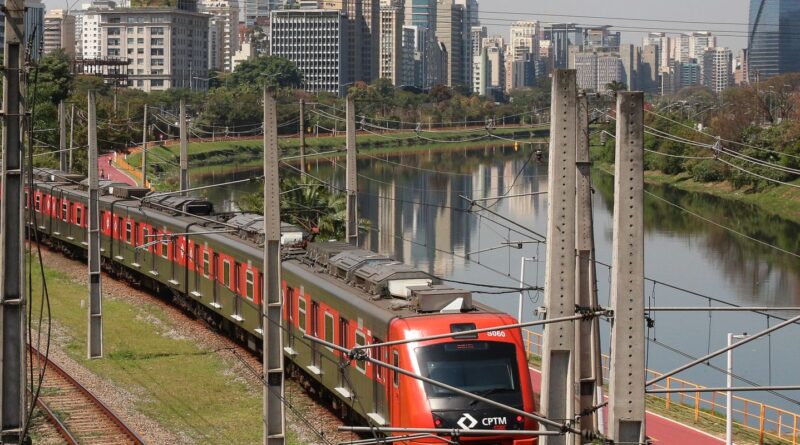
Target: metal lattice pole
(302,136)
(627,387)
(144,148)
(62,137)
(184,161)
(95,349)
(12,270)
(272,335)
(558,348)
(352,179)
(588,368)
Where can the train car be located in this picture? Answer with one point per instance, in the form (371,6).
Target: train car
(211,265)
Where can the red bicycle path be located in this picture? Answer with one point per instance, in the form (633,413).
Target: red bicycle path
(660,430)
(111,172)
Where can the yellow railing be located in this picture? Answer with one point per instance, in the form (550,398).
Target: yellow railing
(762,419)
(135,173)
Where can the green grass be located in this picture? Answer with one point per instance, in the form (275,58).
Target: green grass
(189,390)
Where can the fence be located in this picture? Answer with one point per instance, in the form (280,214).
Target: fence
(135,173)
(761,419)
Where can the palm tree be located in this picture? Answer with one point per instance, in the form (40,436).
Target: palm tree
(616,86)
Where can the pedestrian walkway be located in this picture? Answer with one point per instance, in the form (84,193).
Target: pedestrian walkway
(660,430)
(111,172)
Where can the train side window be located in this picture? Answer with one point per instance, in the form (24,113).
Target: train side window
(26,199)
(301,313)
(38,203)
(315,319)
(206,261)
(329,327)
(79,216)
(145,237)
(395,374)
(64,210)
(226,273)
(249,288)
(165,245)
(361,340)
(128,231)
(379,351)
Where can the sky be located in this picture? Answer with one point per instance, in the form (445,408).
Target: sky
(712,15)
(498,14)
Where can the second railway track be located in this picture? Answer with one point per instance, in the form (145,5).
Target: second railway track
(79,417)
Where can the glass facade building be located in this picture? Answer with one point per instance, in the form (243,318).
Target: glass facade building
(773,38)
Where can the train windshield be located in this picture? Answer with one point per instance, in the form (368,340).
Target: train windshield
(480,367)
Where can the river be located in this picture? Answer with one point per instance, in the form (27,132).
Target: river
(417,215)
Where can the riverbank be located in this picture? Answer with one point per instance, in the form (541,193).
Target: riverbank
(782,201)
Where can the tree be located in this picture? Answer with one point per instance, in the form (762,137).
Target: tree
(268,70)
(616,86)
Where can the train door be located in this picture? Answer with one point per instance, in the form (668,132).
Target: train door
(173,264)
(197,260)
(315,333)
(121,232)
(237,300)
(70,212)
(215,281)
(378,379)
(394,389)
(343,325)
(289,302)
(154,250)
(135,243)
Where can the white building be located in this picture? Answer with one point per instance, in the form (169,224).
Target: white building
(390,51)
(315,41)
(168,48)
(59,32)
(247,51)
(90,28)
(226,16)
(595,70)
(717,69)
(694,45)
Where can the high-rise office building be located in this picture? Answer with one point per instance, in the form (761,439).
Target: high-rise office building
(297,34)
(407,61)
(665,47)
(469,22)
(694,45)
(717,69)
(649,69)
(629,56)
(363,35)
(449,33)
(226,18)
(601,38)
(773,38)
(391,42)
(59,32)
(595,70)
(34,20)
(741,71)
(561,37)
(167,47)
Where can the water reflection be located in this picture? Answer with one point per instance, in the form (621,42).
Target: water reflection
(417,215)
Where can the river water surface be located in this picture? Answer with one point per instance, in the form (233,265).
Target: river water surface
(417,215)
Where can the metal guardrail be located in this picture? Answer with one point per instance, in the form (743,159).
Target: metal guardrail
(764,420)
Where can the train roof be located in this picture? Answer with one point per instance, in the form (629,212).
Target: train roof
(388,285)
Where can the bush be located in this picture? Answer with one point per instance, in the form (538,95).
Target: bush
(708,171)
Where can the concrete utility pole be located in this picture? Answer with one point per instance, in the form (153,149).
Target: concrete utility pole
(588,366)
(62,137)
(302,136)
(12,270)
(71,134)
(626,408)
(184,179)
(352,179)
(272,335)
(95,349)
(558,353)
(144,148)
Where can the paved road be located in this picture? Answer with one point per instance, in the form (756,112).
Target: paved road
(112,173)
(661,430)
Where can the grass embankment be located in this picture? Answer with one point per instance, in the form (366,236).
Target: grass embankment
(226,156)
(781,200)
(187,389)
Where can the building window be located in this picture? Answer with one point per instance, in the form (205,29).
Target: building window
(157,82)
(140,41)
(249,289)
(158,41)
(157,62)
(226,273)
(139,50)
(156,51)
(301,312)
(130,40)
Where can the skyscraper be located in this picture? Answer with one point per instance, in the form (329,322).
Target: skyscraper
(773,38)
(717,69)
(59,31)
(449,32)
(226,17)
(391,43)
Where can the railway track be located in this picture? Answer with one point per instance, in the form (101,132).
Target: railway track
(79,417)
